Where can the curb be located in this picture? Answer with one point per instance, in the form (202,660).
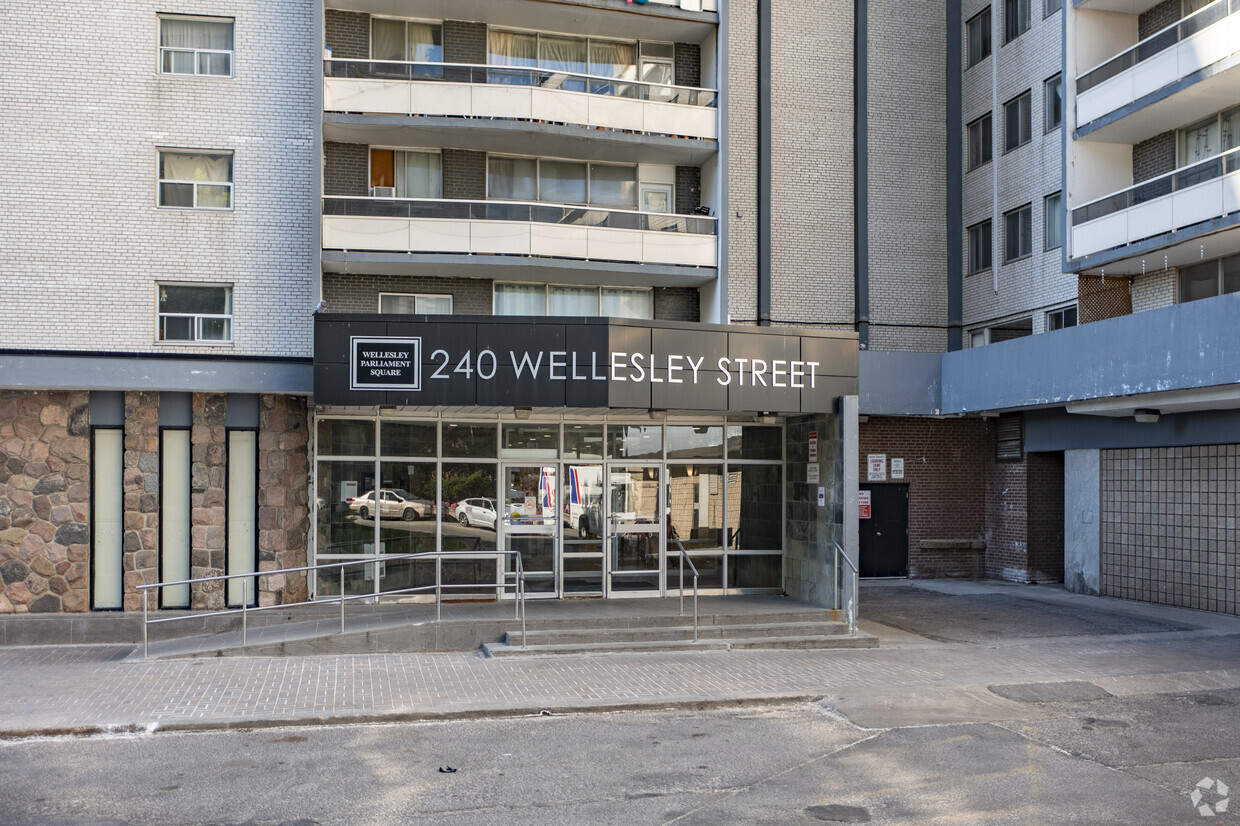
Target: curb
(497,713)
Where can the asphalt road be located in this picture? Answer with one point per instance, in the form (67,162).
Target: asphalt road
(1108,760)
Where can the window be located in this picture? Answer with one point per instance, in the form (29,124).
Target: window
(195,46)
(1008,330)
(1059,319)
(1212,278)
(562,182)
(979,37)
(1052,231)
(1015,19)
(1052,103)
(195,312)
(981,139)
(561,300)
(1049,7)
(1018,233)
(1017,126)
(977,338)
(1009,437)
(1220,133)
(195,180)
(407,174)
(415,304)
(403,40)
(648,61)
(979,247)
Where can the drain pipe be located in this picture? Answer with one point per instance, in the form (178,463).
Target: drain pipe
(764,163)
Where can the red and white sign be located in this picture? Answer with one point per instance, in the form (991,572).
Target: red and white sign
(813,445)
(876,467)
(863,504)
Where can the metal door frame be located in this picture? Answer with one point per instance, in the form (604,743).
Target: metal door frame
(505,527)
(612,529)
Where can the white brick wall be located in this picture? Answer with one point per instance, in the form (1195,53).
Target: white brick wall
(1033,285)
(742,161)
(82,242)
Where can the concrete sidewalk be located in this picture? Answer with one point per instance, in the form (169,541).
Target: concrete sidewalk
(942,645)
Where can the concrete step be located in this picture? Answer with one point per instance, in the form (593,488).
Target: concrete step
(672,619)
(802,643)
(575,635)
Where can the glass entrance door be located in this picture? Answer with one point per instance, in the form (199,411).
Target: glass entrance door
(635,560)
(529,524)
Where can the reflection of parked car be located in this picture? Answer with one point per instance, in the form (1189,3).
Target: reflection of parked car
(480,512)
(393,503)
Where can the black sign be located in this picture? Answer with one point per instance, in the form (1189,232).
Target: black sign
(578,362)
(385,363)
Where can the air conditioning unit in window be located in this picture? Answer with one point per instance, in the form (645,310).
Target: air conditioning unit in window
(383,192)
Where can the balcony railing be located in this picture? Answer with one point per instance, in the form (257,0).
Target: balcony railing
(539,213)
(1157,43)
(520,76)
(1158,187)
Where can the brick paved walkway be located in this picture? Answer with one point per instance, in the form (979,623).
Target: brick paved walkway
(45,689)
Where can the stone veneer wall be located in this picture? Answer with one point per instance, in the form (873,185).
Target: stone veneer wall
(809,555)
(283,496)
(44,502)
(208,478)
(140,552)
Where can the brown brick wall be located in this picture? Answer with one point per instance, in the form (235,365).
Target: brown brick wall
(945,465)
(1007,545)
(464,174)
(464,42)
(1045,517)
(347,33)
(688,189)
(360,293)
(1153,157)
(1158,18)
(677,304)
(346,169)
(688,60)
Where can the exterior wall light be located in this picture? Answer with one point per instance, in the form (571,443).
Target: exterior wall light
(1145,415)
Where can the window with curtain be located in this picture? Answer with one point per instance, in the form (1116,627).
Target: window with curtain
(613,186)
(195,46)
(195,312)
(565,300)
(609,58)
(979,37)
(520,299)
(1053,209)
(401,40)
(562,182)
(980,245)
(981,141)
(1017,123)
(1053,103)
(195,180)
(1018,233)
(415,304)
(553,53)
(512,179)
(418,175)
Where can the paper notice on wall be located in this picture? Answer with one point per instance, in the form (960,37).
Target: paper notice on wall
(897,468)
(822,497)
(876,464)
(811,474)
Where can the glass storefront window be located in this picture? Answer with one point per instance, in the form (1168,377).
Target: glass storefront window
(583,441)
(340,528)
(346,437)
(634,441)
(472,441)
(755,508)
(697,442)
(531,441)
(470,512)
(755,442)
(695,507)
(407,439)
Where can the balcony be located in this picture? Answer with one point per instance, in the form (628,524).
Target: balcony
(454,90)
(1146,72)
(474,237)
(1193,195)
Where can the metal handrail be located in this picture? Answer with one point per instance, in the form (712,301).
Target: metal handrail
(684,557)
(500,75)
(518,587)
(851,610)
(538,212)
(1151,189)
(1156,43)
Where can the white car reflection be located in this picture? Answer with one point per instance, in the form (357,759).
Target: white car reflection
(477,512)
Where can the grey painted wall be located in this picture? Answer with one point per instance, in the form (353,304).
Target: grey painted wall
(1173,348)
(1081,514)
(895,383)
(1060,430)
(52,372)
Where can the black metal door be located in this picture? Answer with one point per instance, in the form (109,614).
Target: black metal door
(884,536)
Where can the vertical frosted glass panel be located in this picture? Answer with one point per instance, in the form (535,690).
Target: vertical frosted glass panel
(109,513)
(242,513)
(174,521)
